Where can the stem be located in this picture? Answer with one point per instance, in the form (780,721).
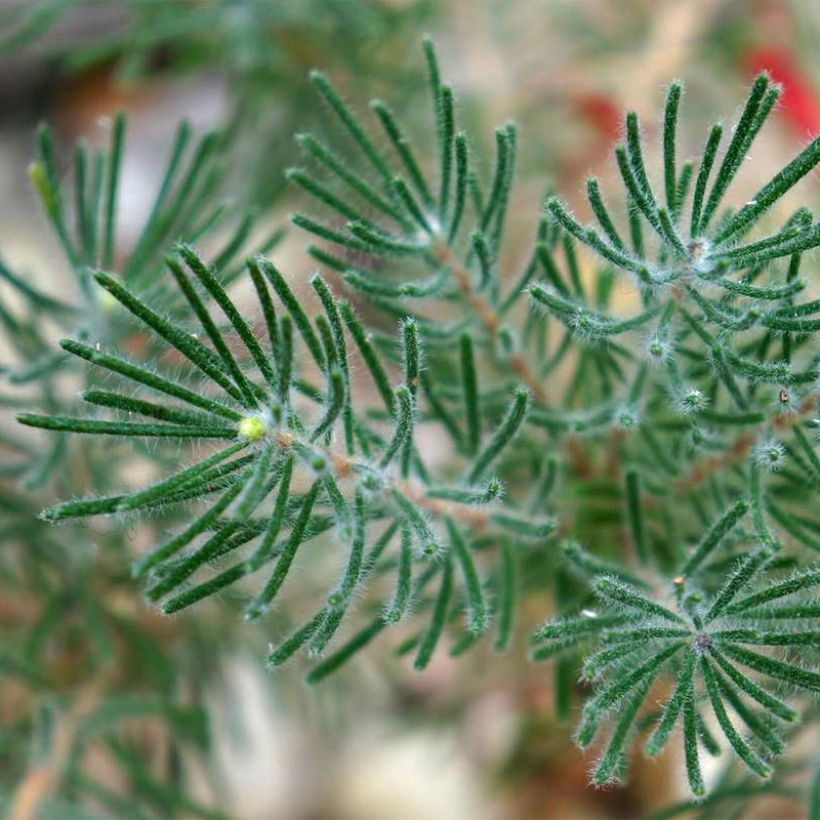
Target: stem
(489,318)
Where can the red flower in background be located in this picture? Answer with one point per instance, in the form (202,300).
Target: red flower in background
(799,103)
(600,112)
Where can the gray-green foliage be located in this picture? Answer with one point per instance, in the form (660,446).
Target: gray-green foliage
(677,439)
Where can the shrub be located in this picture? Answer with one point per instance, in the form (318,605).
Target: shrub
(652,463)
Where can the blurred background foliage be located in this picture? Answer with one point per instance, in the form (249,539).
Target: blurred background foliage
(106,708)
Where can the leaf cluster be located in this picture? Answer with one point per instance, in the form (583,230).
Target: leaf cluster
(646,385)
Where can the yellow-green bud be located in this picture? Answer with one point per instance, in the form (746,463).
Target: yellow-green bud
(252,428)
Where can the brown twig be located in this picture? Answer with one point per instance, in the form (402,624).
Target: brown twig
(344,467)
(489,318)
(474,516)
(743,444)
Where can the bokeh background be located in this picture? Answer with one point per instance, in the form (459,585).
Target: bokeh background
(86,713)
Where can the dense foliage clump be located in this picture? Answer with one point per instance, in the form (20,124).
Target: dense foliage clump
(634,426)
